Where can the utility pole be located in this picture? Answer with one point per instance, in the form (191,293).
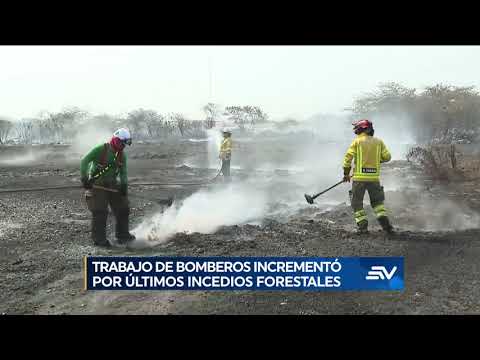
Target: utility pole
(210,70)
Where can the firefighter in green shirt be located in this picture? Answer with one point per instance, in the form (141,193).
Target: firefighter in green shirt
(102,166)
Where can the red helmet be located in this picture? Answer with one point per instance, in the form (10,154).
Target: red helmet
(362,125)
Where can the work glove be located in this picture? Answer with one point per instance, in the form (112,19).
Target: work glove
(346,175)
(123,189)
(87,183)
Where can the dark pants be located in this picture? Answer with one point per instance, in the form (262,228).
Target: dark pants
(377,197)
(98,202)
(226,169)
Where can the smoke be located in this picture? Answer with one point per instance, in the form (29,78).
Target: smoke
(89,136)
(24,156)
(23,159)
(398,132)
(421,210)
(278,173)
(214,141)
(205,212)
(447,215)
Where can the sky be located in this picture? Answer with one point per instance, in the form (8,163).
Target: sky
(285,81)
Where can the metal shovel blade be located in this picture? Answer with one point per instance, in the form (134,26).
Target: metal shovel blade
(165,202)
(169,202)
(309,199)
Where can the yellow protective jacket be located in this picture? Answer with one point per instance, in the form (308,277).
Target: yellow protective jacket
(226,148)
(368,152)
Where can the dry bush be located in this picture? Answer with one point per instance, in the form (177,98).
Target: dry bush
(440,113)
(444,163)
(424,158)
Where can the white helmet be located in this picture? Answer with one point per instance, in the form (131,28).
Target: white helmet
(226,130)
(124,135)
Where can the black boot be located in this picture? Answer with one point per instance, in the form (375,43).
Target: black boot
(99,229)
(122,228)
(362,227)
(385,224)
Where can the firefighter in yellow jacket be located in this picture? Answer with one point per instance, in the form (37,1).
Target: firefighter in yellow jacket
(369,152)
(226,153)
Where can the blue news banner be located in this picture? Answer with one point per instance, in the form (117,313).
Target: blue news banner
(244,273)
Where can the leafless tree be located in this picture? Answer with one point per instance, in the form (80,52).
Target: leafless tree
(63,125)
(136,122)
(246,115)
(180,122)
(237,115)
(5,128)
(154,124)
(435,111)
(25,130)
(255,115)
(212,112)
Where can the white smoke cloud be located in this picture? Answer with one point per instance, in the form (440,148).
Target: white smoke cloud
(418,210)
(23,159)
(215,138)
(89,136)
(205,212)
(446,215)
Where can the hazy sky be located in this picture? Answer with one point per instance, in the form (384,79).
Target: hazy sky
(284,80)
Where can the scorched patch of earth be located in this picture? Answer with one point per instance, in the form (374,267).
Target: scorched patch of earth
(44,236)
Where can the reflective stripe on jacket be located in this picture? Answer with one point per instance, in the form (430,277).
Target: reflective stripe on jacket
(368,152)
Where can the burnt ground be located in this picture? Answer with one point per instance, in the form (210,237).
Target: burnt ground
(44,235)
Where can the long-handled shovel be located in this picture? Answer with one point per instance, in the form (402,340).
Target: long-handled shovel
(168,202)
(311,198)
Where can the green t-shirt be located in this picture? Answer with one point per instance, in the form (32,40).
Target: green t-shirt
(91,162)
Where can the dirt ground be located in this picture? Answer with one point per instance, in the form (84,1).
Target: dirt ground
(44,235)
